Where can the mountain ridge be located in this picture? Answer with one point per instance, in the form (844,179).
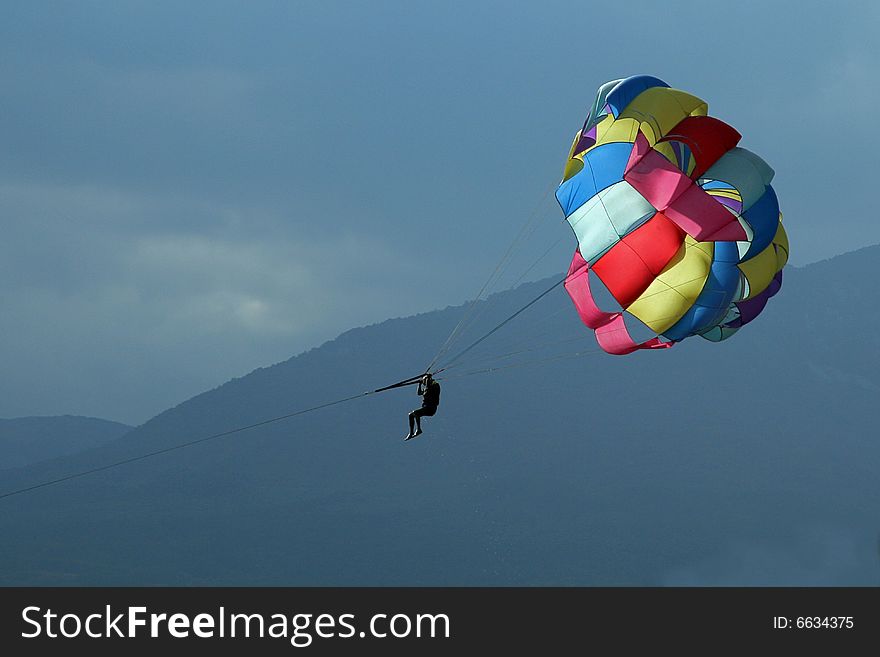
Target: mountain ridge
(707,463)
(27,440)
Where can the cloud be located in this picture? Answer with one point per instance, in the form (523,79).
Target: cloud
(206,189)
(101,285)
(262,286)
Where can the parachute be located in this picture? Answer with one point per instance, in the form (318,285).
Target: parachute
(678,222)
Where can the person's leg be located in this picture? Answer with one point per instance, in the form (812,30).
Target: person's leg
(415,416)
(424,411)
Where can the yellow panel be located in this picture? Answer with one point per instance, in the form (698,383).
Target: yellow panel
(726,193)
(603,126)
(676,288)
(654,112)
(659,109)
(572,166)
(781,242)
(760,270)
(610,130)
(666,150)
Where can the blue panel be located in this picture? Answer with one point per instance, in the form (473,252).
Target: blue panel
(608,163)
(716,297)
(763,217)
(575,191)
(627,90)
(603,166)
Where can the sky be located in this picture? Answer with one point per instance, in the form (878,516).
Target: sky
(189,191)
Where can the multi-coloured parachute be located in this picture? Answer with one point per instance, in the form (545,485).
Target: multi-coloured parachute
(680,224)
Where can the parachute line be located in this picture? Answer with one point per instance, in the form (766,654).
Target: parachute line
(222,434)
(488,370)
(467,318)
(503,323)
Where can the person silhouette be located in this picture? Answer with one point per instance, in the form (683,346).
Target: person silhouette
(429,391)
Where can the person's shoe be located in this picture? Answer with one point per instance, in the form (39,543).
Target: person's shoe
(417,433)
(408,436)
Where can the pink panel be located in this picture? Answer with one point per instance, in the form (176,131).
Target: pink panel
(704,218)
(640,148)
(655,177)
(611,332)
(668,189)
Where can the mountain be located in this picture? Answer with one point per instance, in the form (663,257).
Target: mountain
(752,461)
(27,440)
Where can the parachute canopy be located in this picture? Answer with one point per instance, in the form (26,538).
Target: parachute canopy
(678,222)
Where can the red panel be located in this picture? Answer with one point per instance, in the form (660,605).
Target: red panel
(632,264)
(707,137)
(610,329)
(656,242)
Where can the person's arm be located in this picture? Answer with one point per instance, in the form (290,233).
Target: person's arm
(421,390)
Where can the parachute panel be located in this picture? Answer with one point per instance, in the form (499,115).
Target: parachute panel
(677,220)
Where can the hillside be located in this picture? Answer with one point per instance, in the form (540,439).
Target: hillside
(753,461)
(27,440)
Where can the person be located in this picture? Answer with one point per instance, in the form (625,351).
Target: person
(429,391)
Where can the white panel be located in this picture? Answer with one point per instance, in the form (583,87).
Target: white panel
(747,172)
(593,228)
(626,207)
(600,222)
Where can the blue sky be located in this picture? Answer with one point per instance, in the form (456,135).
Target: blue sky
(189,191)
